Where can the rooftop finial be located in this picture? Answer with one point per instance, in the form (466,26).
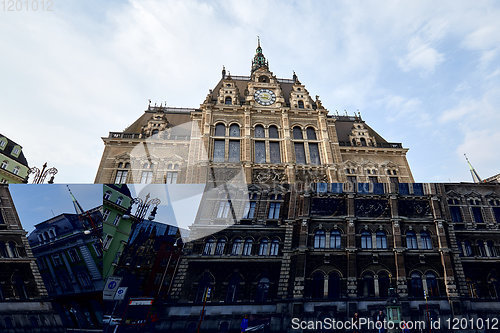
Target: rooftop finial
(223,72)
(474,174)
(76,204)
(258,60)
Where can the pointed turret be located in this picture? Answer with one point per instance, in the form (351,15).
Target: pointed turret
(258,60)
(78,209)
(474,174)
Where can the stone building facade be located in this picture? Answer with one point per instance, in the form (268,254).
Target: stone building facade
(328,251)
(259,128)
(24,303)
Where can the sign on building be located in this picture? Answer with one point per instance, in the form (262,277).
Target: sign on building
(120,294)
(112,284)
(141,301)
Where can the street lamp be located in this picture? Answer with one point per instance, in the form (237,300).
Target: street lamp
(40,175)
(143,207)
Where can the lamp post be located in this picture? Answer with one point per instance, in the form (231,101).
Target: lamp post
(143,207)
(40,175)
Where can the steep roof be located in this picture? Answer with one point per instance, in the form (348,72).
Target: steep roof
(344,126)
(8,149)
(175,116)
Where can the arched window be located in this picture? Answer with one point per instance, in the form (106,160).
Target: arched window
(300,104)
(16,170)
(264,246)
(4,165)
(334,291)
(209,245)
(273,132)
(381,239)
(425,236)
(275,245)
(311,133)
(318,285)
(220,130)
(221,244)
(262,290)
(432,284)
(416,288)
(127,165)
(467,248)
(13,249)
(297,133)
(367,286)
(205,282)
(119,200)
(247,247)
(319,239)
(233,288)
(3,250)
(19,287)
(363,141)
(107,195)
(263,78)
(228,100)
(234,130)
(491,249)
(154,132)
(237,246)
(335,239)
(481,249)
(411,240)
(259,131)
(383,284)
(366,239)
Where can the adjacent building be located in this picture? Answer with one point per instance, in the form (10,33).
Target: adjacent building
(117,224)
(68,251)
(24,303)
(13,165)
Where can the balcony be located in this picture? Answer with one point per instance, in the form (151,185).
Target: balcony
(378,145)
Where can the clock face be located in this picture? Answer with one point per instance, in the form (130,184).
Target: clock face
(265,97)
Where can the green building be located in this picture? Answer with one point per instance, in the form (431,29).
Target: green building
(13,165)
(116,230)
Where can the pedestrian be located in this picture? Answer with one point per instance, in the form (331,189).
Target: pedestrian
(381,318)
(244,324)
(355,321)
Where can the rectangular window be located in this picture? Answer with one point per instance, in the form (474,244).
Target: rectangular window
(234,151)
(274,210)
(456,214)
(224,208)
(373,179)
(219,150)
(121,177)
(97,248)
(478,214)
(105,214)
(496,213)
(418,189)
(300,156)
(73,255)
(250,210)
(394,180)
(404,188)
(117,219)
(171,178)
(352,179)
(274,148)
(147,177)
(260,152)
(56,258)
(107,242)
(314,153)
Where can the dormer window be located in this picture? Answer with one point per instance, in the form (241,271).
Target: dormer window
(300,104)
(228,101)
(155,132)
(16,151)
(3,143)
(263,78)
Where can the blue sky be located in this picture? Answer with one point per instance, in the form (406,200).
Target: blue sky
(424,73)
(38,203)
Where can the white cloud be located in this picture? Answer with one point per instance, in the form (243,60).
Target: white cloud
(420,56)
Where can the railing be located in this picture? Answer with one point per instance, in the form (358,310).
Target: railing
(171,109)
(120,135)
(378,145)
(247,78)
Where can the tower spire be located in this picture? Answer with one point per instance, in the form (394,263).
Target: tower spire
(78,209)
(258,60)
(474,174)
